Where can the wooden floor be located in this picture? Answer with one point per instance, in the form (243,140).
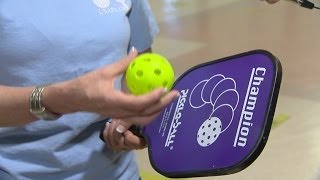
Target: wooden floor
(196,31)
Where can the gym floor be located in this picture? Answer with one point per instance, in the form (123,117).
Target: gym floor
(196,31)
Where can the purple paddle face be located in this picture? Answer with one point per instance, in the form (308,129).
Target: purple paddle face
(220,123)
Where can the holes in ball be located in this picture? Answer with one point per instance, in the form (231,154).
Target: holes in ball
(157,72)
(139,73)
(147,59)
(165,83)
(132,65)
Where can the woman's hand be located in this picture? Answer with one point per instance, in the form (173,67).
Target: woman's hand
(117,136)
(95,92)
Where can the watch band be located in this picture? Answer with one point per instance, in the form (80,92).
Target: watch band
(37,108)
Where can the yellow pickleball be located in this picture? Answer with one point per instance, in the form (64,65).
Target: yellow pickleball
(147,72)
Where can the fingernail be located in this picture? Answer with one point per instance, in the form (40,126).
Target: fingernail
(120,129)
(107,125)
(164,90)
(133,49)
(177,94)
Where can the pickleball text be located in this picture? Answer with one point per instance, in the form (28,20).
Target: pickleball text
(247,114)
(176,117)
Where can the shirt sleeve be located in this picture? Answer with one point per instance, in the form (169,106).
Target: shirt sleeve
(143,25)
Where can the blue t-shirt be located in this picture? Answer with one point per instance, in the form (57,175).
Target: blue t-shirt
(45,41)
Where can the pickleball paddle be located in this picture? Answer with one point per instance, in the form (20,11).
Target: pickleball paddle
(221,122)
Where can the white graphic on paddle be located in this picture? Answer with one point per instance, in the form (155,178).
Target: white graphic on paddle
(219,92)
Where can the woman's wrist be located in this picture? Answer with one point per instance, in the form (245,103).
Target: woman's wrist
(58,98)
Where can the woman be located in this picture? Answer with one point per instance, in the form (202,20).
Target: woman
(59,77)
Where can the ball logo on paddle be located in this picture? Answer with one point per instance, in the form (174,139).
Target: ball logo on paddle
(221,93)
(147,72)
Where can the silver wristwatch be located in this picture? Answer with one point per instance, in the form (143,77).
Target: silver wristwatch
(37,108)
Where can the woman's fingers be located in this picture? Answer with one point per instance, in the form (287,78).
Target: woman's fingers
(147,104)
(118,137)
(120,66)
(133,141)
